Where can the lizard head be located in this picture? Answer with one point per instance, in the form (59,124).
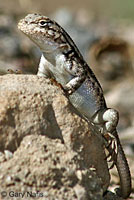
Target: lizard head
(46,33)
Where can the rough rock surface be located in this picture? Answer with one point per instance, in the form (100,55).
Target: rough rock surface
(55,152)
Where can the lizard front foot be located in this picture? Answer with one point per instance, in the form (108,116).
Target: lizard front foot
(68,91)
(65,89)
(54,82)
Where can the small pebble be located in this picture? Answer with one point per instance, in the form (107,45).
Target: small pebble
(8,154)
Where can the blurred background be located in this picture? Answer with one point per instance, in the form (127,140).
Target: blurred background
(115,9)
(103,31)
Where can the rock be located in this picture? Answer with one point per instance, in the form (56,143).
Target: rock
(47,166)
(111,60)
(55,151)
(8,154)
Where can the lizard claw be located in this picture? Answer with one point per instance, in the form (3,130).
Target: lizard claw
(112,165)
(67,91)
(111,147)
(54,82)
(110,158)
(110,142)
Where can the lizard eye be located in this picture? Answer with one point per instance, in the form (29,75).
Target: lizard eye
(42,23)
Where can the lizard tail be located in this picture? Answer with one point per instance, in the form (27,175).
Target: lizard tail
(123,170)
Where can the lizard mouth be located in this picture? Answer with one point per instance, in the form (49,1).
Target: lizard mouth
(26,27)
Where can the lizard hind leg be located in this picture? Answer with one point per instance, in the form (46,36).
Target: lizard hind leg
(111,118)
(107,119)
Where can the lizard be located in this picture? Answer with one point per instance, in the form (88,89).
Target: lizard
(62,61)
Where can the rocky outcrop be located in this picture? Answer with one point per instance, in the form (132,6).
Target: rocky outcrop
(55,152)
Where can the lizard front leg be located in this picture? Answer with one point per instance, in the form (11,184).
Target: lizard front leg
(75,73)
(78,75)
(74,84)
